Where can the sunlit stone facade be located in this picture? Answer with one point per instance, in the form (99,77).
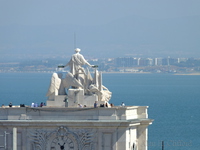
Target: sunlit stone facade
(115,128)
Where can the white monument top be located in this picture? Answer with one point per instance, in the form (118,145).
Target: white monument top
(77,116)
(78,87)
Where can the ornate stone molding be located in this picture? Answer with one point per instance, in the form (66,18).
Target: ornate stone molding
(62,138)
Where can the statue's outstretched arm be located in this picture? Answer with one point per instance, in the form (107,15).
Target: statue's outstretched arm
(68,64)
(87,63)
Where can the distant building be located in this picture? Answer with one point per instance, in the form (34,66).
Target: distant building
(143,62)
(169,61)
(158,61)
(182,60)
(126,62)
(150,62)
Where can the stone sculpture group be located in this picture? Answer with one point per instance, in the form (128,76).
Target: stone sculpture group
(78,79)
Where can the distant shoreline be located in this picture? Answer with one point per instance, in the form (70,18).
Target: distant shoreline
(50,72)
(151,73)
(128,72)
(189,74)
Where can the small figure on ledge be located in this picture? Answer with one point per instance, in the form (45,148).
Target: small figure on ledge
(10,105)
(95,104)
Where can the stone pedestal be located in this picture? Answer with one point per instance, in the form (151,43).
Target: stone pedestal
(59,101)
(76,96)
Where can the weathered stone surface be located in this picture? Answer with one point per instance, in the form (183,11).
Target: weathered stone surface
(75,128)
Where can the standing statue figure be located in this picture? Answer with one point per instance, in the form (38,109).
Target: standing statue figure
(76,63)
(79,83)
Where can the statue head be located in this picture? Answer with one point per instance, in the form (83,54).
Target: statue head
(77,50)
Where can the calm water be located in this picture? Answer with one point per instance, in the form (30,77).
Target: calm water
(173,102)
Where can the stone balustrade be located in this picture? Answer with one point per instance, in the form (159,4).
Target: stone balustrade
(50,113)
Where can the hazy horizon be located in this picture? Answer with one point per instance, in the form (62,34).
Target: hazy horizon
(103,29)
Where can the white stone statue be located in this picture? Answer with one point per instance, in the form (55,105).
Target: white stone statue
(58,84)
(54,86)
(76,63)
(81,86)
(96,87)
(69,81)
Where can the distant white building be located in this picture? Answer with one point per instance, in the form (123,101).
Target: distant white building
(158,61)
(182,60)
(131,70)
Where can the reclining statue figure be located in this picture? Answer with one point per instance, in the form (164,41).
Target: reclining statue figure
(58,85)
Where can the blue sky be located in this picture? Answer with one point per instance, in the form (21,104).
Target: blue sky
(45,12)
(112,28)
